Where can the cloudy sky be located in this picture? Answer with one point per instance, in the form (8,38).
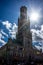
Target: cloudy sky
(9,13)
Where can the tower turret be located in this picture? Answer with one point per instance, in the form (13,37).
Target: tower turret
(23,12)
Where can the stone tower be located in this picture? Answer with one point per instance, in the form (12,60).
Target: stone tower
(24,35)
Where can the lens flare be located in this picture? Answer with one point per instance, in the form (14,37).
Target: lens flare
(34,16)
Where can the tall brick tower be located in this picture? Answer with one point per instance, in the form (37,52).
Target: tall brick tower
(24,35)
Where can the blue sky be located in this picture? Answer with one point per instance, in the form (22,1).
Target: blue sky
(9,9)
(9,13)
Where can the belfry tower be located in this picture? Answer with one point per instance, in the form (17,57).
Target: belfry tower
(24,34)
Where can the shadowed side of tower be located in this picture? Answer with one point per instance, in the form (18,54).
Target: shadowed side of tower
(24,35)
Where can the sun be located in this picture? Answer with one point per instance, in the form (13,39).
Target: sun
(34,16)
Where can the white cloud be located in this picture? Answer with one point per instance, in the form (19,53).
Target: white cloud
(2,41)
(13,36)
(41,27)
(1,36)
(37,35)
(7,24)
(13,31)
(12,28)
(4,33)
